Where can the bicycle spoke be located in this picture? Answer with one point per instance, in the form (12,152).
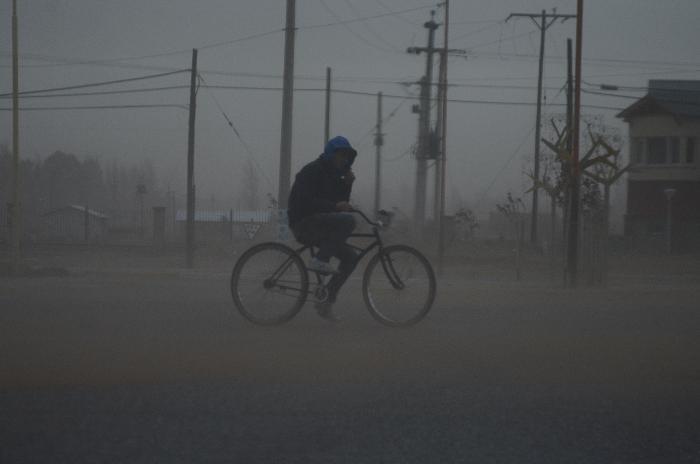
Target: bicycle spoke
(269,284)
(399,286)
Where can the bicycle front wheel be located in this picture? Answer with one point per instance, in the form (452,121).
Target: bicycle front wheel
(399,286)
(269,284)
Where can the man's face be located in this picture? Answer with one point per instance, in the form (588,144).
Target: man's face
(342,159)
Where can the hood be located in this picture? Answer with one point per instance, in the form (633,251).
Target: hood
(338,143)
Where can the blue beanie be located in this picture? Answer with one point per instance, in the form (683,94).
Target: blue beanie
(336,143)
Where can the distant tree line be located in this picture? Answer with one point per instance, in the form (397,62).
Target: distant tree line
(63,179)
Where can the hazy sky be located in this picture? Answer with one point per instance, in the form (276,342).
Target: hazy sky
(68,42)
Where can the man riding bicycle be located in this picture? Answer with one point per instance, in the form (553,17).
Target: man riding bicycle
(319,215)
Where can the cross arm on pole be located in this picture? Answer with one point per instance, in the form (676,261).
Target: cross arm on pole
(450,51)
(548,16)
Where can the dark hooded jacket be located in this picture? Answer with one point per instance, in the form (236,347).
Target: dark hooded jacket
(320,185)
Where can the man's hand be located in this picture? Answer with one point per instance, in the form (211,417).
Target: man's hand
(349,177)
(344,206)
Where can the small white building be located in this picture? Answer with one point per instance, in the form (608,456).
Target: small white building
(74,223)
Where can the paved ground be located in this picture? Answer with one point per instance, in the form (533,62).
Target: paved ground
(156,367)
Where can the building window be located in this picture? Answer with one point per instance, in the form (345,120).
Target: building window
(690,150)
(637,154)
(656,150)
(675,146)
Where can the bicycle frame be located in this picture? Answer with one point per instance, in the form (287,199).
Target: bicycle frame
(387,264)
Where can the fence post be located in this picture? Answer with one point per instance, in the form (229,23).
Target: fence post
(87,224)
(159,227)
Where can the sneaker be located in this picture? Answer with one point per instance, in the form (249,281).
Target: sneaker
(321,267)
(325,310)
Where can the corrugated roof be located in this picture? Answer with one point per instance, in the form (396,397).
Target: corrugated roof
(676,97)
(262,216)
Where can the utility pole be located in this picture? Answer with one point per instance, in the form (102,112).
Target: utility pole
(15,214)
(327,126)
(287,101)
(189,231)
(573,219)
(546,20)
(424,145)
(378,142)
(438,140)
(428,146)
(567,167)
(442,156)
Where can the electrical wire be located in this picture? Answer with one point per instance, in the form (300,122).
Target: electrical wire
(371,30)
(98,84)
(401,156)
(98,107)
(366,18)
(106,92)
(351,31)
(468,34)
(506,164)
(399,17)
(119,60)
(634,97)
(238,134)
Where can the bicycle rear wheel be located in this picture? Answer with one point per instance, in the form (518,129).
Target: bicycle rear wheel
(399,286)
(269,284)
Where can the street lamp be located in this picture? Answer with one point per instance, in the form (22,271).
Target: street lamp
(669,195)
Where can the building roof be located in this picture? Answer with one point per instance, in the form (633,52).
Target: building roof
(78,208)
(220,216)
(674,97)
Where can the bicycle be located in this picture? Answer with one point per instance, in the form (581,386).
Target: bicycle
(270,282)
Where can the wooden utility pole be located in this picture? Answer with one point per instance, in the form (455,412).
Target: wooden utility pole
(572,254)
(327,126)
(285,169)
(438,137)
(442,156)
(424,145)
(15,213)
(189,231)
(546,20)
(567,169)
(426,148)
(378,142)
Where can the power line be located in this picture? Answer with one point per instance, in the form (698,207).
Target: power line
(349,29)
(115,61)
(517,36)
(371,30)
(401,156)
(106,92)
(98,84)
(384,121)
(78,61)
(470,33)
(98,107)
(411,97)
(506,164)
(35,93)
(399,17)
(634,97)
(366,18)
(238,135)
(596,61)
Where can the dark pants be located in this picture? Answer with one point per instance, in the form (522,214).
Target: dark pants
(329,232)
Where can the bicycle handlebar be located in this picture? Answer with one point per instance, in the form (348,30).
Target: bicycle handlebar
(368,220)
(364,216)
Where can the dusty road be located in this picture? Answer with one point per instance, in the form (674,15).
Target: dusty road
(156,367)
